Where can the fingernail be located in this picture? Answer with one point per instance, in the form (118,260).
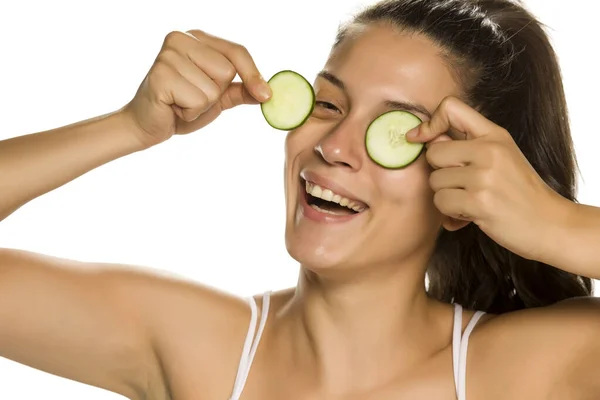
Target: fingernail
(264,90)
(413,133)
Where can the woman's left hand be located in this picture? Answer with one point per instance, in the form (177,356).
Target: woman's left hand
(486,179)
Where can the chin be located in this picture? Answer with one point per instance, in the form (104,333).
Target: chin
(319,254)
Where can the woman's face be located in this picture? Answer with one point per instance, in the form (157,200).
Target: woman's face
(373,72)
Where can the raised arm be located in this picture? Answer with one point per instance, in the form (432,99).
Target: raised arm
(35,164)
(188,86)
(104,324)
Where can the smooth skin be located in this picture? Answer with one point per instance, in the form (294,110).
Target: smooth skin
(359,325)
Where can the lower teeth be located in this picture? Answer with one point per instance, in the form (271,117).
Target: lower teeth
(319,209)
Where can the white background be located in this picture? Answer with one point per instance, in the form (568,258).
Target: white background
(208,206)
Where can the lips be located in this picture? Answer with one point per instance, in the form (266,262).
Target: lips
(323,200)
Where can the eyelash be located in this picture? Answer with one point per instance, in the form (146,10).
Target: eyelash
(327,105)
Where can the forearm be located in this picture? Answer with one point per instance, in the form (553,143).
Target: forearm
(35,164)
(576,244)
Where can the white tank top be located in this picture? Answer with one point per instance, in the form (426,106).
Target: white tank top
(460,344)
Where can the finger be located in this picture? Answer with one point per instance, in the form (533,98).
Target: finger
(454,224)
(213,63)
(441,138)
(243,62)
(453,153)
(452,178)
(187,100)
(235,95)
(190,72)
(455,203)
(456,119)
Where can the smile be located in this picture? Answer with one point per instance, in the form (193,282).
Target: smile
(325,200)
(321,203)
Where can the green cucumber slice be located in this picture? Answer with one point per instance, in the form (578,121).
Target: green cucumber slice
(386,139)
(292,102)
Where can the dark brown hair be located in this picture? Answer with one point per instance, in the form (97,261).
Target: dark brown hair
(509,73)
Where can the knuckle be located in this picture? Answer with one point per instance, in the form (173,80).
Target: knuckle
(239,48)
(201,101)
(439,200)
(226,101)
(160,73)
(172,38)
(495,151)
(200,105)
(166,56)
(242,51)
(431,154)
(212,93)
(227,73)
(433,180)
(447,103)
(484,200)
(485,178)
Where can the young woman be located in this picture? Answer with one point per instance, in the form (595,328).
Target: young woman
(506,314)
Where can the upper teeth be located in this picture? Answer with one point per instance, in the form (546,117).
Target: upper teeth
(326,194)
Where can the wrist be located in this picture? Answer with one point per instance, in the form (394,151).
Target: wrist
(565,236)
(556,228)
(129,127)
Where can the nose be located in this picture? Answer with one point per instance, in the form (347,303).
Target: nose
(341,147)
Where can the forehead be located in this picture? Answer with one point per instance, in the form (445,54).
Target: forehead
(381,61)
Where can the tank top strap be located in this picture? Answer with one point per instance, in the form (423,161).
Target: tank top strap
(460,345)
(251,343)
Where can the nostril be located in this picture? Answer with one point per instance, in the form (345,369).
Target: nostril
(334,155)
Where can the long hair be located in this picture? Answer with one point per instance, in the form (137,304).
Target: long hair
(509,72)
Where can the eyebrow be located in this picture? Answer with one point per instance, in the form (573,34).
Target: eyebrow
(332,79)
(392,104)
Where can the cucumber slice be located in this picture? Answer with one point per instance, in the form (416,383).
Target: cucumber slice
(386,142)
(292,102)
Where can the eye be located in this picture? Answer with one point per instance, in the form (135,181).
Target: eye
(326,105)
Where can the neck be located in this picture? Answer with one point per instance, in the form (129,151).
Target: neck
(361,330)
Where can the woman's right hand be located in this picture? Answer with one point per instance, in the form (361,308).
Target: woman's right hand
(190,84)
(118,340)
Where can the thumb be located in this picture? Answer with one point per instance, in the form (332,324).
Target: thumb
(236,94)
(456,119)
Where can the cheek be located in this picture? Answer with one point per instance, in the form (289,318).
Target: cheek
(298,141)
(293,147)
(299,145)
(409,185)
(290,144)
(407,193)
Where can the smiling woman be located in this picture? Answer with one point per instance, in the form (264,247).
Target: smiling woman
(478,213)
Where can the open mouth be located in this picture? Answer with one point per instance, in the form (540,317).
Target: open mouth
(326,201)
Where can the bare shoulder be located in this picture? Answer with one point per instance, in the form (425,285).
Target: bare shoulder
(198,333)
(134,324)
(546,350)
